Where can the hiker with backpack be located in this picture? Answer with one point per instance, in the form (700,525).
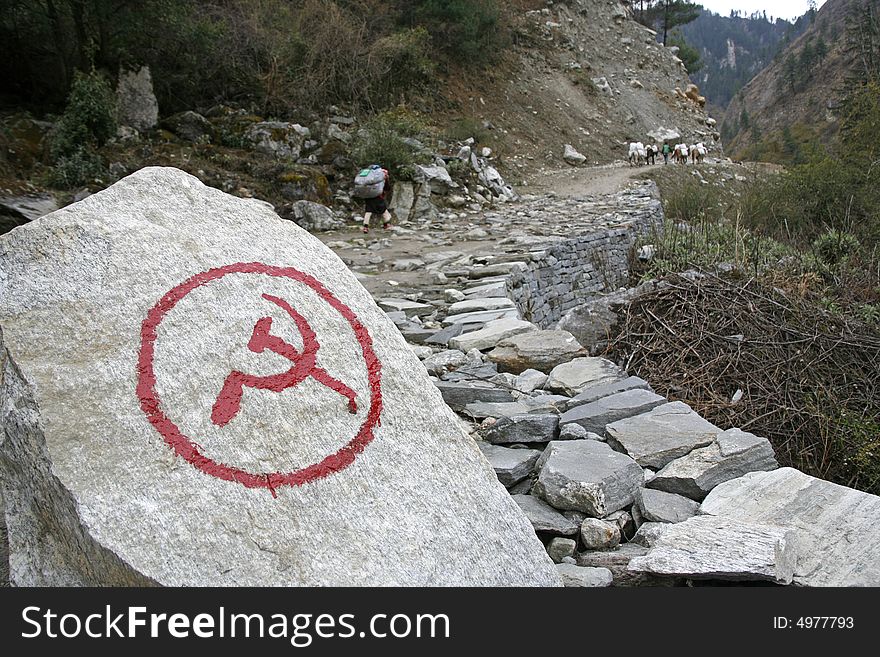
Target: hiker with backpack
(666,151)
(371,185)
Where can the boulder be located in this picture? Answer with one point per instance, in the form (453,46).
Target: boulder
(661,135)
(574,576)
(528,428)
(835,526)
(661,435)
(530,380)
(545,518)
(657,506)
(649,532)
(588,476)
(437,177)
(180,405)
(595,415)
(598,391)
(571,155)
(510,465)
(537,350)
(710,547)
(476,305)
(136,104)
(733,454)
(482,410)
(190,126)
(458,394)
(411,308)
(443,337)
(481,316)
(575,376)
(599,535)
(277,138)
(560,548)
(315,217)
(443,361)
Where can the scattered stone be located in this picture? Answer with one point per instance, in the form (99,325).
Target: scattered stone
(408,264)
(588,476)
(528,428)
(482,410)
(510,465)
(491,334)
(658,506)
(421,352)
(530,380)
(595,415)
(595,392)
(99,490)
(560,548)
(498,289)
(661,435)
(538,350)
(710,547)
(411,308)
(458,394)
(836,527)
(624,521)
(617,561)
(444,336)
(649,532)
(443,361)
(733,454)
(571,156)
(481,317)
(476,305)
(584,577)
(599,535)
(574,377)
(573,432)
(545,518)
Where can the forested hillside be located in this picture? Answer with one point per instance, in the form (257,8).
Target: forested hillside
(734,48)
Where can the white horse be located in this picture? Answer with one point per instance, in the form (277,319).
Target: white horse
(637,154)
(698,153)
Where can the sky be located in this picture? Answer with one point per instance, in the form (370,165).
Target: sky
(780,8)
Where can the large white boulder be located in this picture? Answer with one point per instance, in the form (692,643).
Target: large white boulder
(196,392)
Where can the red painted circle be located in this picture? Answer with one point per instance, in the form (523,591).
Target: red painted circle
(183,446)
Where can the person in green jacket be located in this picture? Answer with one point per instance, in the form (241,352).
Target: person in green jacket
(666,151)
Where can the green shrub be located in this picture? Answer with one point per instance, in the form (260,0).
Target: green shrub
(466,128)
(469,32)
(89,119)
(835,246)
(381,141)
(76,169)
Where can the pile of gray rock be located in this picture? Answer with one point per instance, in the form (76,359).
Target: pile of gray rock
(623,486)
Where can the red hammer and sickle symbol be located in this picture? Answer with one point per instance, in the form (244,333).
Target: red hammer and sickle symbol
(303,366)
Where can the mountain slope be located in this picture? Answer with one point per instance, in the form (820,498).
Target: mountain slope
(733,49)
(798,97)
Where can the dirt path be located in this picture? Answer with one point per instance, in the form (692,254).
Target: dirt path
(586,181)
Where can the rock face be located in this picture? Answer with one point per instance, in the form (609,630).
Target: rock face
(835,526)
(708,547)
(588,476)
(662,435)
(277,138)
(182,406)
(136,104)
(734,454)
(537,350)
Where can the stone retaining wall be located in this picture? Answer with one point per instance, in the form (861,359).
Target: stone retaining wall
(563,275)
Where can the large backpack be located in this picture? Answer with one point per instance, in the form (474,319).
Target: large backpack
(369,183)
